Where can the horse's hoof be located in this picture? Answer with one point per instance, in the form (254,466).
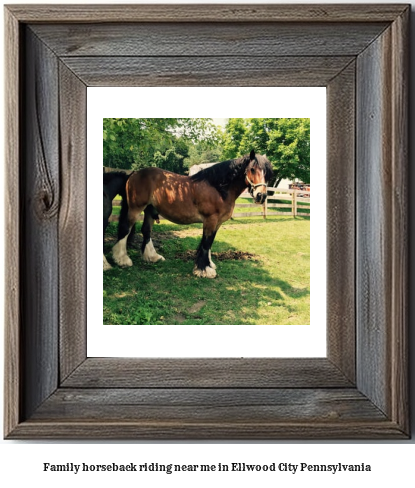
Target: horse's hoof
(124,262)
(153,259)
(150,255)
(208,272)
(106,264)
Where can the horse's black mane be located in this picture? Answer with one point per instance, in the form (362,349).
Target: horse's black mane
(221,175)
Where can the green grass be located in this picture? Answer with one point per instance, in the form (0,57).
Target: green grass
(272,286)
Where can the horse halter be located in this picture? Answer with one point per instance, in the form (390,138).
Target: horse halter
(252,185)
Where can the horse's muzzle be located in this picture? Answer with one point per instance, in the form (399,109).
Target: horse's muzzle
(260,198)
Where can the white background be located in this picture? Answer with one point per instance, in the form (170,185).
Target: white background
(301,340)
(392,462)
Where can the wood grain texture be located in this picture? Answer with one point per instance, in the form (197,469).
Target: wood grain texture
(206,373)
(230,39)
(341,238)
(400,246)
(382,223)
(41,179)
(206,71)
(371,301)
(12,371)
(188,430)
(209,405)
(373,223)
(72,222)
(206,13)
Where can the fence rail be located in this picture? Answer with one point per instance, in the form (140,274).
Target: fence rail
(298,201)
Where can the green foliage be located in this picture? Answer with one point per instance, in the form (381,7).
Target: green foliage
(177,144)
(202,153)
(173,158)
(129,141)
(286,142)
(138,143)
(234,134)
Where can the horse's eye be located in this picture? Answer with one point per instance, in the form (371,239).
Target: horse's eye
(253,170)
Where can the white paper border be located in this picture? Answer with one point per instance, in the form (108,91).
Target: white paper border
(308,340)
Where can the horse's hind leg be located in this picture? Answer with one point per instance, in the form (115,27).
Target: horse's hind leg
(203,266)
(147,249)
(107,212)
(127,220)
(106,264)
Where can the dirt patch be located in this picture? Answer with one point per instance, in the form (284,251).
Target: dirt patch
(197,306)
(183,233)
(218,256)
(179,318)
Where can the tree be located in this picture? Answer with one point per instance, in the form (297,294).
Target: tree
(173,158)
(286,142)
(202,153)
(133,143)
(235,131)
(129,141)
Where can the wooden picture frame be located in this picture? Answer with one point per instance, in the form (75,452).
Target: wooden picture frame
(360,53)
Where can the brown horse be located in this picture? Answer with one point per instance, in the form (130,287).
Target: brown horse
(208,197)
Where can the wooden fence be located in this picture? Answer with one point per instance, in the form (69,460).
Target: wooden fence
(281,202)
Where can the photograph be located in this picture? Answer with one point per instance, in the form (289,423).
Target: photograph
(206,221)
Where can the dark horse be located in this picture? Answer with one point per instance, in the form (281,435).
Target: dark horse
(208,196)
(114,184)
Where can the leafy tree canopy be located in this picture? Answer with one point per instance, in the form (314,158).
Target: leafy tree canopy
(138,143)
(177,144)
(173,158)
(202,153)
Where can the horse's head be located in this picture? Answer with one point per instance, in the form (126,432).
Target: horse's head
(258,172)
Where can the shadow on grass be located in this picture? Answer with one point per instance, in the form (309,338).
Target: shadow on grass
(244,292)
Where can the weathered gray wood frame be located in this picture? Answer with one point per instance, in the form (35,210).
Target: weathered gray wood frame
(359,52)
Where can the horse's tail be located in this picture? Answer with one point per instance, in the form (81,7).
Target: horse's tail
(123,223)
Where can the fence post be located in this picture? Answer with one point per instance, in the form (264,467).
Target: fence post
(294,203)
(264,208)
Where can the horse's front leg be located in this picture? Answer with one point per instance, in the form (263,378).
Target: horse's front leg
(204,267)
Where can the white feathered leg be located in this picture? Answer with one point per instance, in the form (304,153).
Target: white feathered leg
(119,253)
(106,264)
(150,255)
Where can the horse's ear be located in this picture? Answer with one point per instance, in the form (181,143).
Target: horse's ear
(252,155)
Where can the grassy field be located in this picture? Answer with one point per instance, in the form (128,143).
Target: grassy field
(263,276)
